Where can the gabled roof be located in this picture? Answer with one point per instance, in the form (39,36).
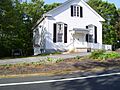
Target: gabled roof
(101,18)
(49,12)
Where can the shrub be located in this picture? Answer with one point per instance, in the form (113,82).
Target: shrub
(113,55)
(56,52)
(77,57)
(59,60)
(102,55)
(95,54)
(52,60)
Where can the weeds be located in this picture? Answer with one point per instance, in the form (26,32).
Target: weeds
(77,57)
(102,55)
(52,60)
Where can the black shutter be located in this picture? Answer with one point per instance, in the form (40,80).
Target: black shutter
(72,10)
(86,27)
(81,11)
(65,33)
(95,32)
(54,32)
(87,37)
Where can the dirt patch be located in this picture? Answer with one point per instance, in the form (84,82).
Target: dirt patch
(63,67)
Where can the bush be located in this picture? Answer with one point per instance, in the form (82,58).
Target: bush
(77,57)
(52,60)
(96,54)
(102,55)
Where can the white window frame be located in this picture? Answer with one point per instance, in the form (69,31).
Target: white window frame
(76,11)
(58,31)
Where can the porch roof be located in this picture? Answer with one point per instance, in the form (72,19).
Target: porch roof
(80,30)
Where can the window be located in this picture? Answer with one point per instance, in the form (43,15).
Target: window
(60,32)
(89,38)
(92,36)
(36,37)
(76,11)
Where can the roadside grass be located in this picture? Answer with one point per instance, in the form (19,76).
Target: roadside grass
(43,54)
(103,55)
(96,62)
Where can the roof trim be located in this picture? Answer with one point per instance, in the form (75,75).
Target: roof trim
(48,13)
(101,18)
(40,20)
(59,6)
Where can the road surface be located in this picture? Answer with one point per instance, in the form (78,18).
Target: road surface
(109,81)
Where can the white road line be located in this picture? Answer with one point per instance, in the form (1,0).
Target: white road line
(59,80)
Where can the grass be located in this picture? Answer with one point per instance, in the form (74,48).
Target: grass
(43,54)
(53,53)
(43,62)
(102,55)
(52,66)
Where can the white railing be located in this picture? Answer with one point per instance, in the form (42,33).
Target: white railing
(107,47)
(94,45)
(78,44)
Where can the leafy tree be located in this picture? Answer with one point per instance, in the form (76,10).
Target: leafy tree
(32,12)
(109,12)
(48,7)
(16,21)
(8,22)
(118,29)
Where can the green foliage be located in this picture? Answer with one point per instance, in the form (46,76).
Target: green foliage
(53,53)
(109,12)
(56,53)
(52,60)
(77,57)
(95,54)
(118,29)
(101,55)
(16,22)
(59,60)
(48,7)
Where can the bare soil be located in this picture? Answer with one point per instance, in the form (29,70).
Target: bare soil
(63,67)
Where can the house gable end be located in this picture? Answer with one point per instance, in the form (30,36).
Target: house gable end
(68,1)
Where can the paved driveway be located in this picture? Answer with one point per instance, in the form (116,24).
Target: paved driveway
(39,58)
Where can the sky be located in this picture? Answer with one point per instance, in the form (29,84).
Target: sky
(116,2)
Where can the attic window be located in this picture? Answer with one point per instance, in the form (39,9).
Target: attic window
(76,11)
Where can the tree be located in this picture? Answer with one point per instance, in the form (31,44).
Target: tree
(109,12)
(8,26)
(49,7)
(31,13)
(118,29)
(16,21)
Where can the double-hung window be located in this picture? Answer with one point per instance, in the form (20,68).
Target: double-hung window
(60,32)
(76,11)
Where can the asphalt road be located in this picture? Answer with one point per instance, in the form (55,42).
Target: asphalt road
(103,82)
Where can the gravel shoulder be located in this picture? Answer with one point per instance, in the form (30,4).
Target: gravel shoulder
(67,66)
(40,58)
